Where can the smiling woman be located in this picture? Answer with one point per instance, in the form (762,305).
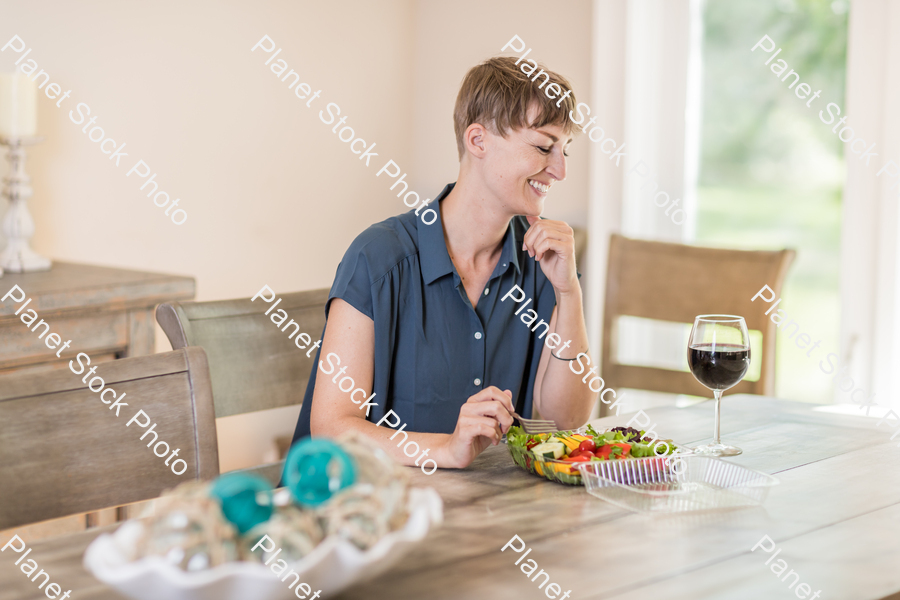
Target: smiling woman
(417,308)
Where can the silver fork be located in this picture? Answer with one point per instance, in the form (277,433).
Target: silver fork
(534,426)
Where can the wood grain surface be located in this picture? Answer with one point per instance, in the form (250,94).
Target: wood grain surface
(76,288)
(247,351)
(835,515)
(105,312)
(66,451)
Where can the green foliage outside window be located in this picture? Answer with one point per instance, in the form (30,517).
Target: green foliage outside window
(772,173)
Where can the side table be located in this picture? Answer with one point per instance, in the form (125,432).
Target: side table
(107,313)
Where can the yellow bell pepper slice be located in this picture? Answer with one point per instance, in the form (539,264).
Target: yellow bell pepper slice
(564,468)
(570,443)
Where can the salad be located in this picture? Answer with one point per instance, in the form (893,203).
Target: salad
(555,455)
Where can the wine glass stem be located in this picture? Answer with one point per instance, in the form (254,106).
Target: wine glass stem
(718,396)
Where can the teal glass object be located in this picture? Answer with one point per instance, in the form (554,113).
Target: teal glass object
(246,500)
(316,469)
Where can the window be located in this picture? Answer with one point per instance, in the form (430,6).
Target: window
(771,172)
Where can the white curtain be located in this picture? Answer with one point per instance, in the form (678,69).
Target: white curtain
(646,88)
(870,269)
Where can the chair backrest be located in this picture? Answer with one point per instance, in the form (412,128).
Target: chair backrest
(253,363)
(675,282)
(65,452)
(581,242)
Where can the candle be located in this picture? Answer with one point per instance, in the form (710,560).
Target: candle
(18,105)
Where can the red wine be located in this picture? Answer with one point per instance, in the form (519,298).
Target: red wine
(721,369)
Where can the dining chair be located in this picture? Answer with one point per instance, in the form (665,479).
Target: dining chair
(254,364)
(581,241)
(677,282)
(66,451)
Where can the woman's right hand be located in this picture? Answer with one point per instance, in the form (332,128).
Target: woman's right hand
(483,420)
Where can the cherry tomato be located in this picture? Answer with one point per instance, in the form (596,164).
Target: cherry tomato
(531,444)
(587,446)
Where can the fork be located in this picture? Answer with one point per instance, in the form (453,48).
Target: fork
(534,426)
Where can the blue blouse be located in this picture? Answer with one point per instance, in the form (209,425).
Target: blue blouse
(432,349)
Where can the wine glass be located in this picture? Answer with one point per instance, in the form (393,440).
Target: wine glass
(719,356)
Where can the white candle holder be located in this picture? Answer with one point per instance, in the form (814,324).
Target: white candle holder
(18,226)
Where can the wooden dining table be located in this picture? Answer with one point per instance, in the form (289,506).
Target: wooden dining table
(834,518)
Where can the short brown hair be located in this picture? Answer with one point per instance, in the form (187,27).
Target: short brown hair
(497,94)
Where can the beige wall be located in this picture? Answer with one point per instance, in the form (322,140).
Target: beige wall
(273,197)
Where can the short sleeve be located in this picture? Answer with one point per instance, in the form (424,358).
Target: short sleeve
(373,254)
(352,282)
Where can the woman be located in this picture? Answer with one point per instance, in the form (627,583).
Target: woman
(422,317)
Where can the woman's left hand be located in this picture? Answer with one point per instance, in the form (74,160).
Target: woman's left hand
(552,243)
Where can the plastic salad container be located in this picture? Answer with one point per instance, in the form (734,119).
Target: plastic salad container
(676,484)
